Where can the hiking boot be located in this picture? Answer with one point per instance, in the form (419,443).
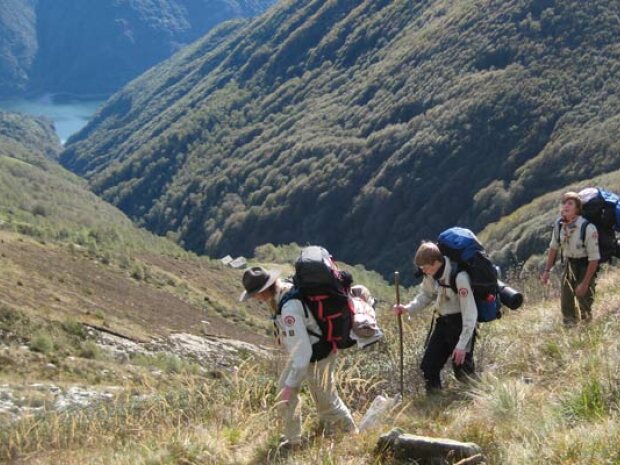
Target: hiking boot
(433,391)
(290,445)
(335,429)
(569,323)
(432,387)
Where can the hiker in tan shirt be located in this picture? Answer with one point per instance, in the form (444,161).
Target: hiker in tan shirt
(577,239)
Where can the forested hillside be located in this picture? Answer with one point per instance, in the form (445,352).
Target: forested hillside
(362,125)
(18,45)
(28,139)
(77,47)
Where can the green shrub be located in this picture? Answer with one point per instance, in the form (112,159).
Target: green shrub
(39,210)
(137,272)
(172,363)
(74,328)
(42,342)
(90,349)
(589,403)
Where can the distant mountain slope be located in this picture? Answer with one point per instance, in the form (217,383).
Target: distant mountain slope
(362,125)
(18,44)
(67,253)
(77,47)
(39,195)
(28,139)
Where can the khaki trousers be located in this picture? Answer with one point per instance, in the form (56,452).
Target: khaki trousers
(333,413)
(574,272)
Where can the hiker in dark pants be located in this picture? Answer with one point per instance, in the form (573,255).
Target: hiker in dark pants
(578,241)
(453,335)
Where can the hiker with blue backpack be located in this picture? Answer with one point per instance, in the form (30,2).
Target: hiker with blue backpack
(447,267)
(313,318)
(577,240)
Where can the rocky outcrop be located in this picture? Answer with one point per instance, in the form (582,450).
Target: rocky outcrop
(17,401)
(214,354)
(211,352)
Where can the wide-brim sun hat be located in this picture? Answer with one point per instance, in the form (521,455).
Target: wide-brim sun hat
(256,280)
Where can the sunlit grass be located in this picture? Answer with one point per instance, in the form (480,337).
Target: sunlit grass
(546,395)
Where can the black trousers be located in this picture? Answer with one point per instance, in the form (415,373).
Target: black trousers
(441,344)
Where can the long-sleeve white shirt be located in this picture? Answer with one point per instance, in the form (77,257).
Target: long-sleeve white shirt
(449,302)
(297,328)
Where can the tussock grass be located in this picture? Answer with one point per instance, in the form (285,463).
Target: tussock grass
(545,395)
(43,343)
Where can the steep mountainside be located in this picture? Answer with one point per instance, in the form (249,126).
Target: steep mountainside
(362,125)
(78,47)
(28,139)
(18,44)
(65,253)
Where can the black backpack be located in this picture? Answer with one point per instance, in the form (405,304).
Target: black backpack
(602,209)
(324,291)
(462,247)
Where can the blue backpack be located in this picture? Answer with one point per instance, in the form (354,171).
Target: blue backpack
(463,248)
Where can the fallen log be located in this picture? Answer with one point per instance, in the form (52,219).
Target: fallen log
(114,333)
(428,451)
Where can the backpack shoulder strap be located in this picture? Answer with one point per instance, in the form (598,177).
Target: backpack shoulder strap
(456,269)
(292,295)
(558,227)
(584,228)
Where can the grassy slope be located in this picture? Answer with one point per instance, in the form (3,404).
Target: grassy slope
(68,258)
(68,254)
(331,122)
(547,396)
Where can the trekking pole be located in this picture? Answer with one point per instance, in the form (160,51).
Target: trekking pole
(400,336)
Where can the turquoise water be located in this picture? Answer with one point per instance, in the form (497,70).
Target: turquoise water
(68,115)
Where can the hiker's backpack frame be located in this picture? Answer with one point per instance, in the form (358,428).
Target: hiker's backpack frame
(603,211)
(323,290)
(462,247)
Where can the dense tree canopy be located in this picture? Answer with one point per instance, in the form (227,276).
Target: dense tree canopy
(18,45)
(362,125)
(78,47)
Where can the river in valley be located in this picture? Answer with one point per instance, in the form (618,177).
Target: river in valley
(68,114)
